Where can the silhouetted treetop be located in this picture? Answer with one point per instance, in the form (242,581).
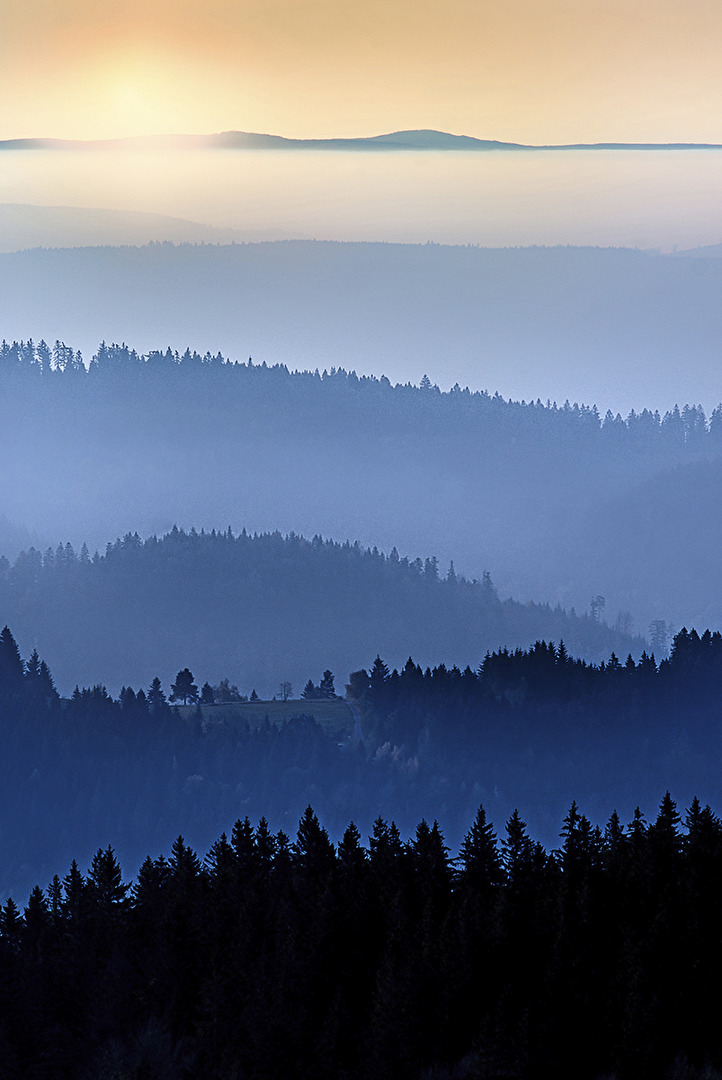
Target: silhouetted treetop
(382,960)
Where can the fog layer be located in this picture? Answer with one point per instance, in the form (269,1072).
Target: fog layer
(645,198)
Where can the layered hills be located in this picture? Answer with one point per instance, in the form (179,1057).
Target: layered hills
(559,504)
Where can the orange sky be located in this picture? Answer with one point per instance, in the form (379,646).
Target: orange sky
(522,70)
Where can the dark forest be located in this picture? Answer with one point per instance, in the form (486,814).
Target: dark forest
(273,958)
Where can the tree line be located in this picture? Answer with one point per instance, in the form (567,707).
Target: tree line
(687,426)
(274,957)
(546,673)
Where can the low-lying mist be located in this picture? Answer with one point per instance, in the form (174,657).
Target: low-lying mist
(632,198)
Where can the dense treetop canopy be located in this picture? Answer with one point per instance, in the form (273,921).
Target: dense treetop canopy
(273,957)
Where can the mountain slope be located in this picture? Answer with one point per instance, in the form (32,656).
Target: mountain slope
(261,610)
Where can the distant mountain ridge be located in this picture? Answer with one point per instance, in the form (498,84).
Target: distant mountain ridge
(421,139)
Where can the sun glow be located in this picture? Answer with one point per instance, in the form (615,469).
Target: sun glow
(138,95)
(129,99)
(560,71)
(129,90)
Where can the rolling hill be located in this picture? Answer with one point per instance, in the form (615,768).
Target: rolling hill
(261,610)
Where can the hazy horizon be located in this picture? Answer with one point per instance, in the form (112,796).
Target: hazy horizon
(644,199)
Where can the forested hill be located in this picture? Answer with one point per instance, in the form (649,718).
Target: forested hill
(264,609)
(542,496)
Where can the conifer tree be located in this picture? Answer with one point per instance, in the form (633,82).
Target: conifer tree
(312,850)
(243,844)
(105,880)
(352,858)
(326,687)
(11,666)
(265,844)
(156,697)
(479,855)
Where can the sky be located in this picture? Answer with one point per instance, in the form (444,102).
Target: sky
(536,71)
